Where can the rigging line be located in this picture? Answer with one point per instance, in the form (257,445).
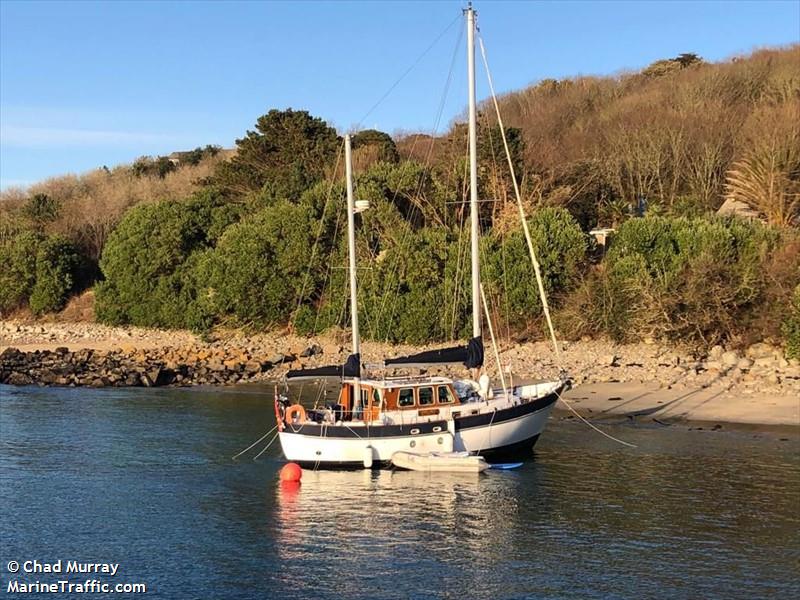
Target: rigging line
(254,443)
(600,431)
(408,70)
(462,253)
(494,342)
(319,230)
(326,281)
(426,165)
(256,457)
(503,237)
(536,267)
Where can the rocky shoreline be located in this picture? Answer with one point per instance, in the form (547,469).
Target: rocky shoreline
(87,354)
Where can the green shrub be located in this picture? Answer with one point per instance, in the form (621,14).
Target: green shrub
(259,267)
(146,280)
(58,266)
(791,327)
(691,280)
(18,272)
(560,248)
(405,296)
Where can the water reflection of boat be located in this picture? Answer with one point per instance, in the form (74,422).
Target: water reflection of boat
(368,503)
(376,416)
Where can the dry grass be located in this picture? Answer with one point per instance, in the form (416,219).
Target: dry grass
(91,204)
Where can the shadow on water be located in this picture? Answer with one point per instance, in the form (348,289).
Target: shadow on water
(145,478)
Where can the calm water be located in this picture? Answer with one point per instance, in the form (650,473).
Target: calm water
(145,478)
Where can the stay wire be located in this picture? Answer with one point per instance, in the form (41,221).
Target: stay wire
(536,267)
(426,166)
(408,70)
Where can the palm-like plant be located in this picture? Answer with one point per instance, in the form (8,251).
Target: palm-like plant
(768,180)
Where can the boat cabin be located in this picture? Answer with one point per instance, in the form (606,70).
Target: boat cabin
(424,396)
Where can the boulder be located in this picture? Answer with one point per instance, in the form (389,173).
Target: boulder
(312,350)
(760,350)
(278,359)
(730,358)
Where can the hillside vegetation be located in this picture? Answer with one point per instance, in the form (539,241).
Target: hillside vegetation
(255,238)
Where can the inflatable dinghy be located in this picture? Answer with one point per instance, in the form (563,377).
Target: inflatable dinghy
(430,462)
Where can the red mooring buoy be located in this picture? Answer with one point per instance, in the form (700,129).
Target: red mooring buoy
(291,472)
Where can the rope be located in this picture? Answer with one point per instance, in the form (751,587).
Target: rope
(600,431)
(265,448)
(319,230)
(494,343)
(536,268)
(488,430)
(254,443)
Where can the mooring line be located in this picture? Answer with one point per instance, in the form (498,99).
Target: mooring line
(600,431)
(255,458)
(254,443)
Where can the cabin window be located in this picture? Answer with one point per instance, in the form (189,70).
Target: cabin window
(445,395)
(405,398)
(425,396)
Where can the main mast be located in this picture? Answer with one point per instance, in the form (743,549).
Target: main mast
(351,246)
(473,177)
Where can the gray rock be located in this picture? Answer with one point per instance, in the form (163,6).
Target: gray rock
(277,359)
(312,350)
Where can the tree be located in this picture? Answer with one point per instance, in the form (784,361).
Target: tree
(144,257)
(258,269)
(18,275)
(58,267)
(41,209)
(371,146)
(288,152)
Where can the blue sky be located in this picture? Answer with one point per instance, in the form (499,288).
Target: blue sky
(83,84)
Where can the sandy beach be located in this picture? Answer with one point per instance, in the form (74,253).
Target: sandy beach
(645,382)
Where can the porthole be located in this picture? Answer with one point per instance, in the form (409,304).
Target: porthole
(437,429)
(415,431)
(412,443)
(440,441)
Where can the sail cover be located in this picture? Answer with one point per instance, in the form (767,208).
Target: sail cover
(351,368)
(471,356)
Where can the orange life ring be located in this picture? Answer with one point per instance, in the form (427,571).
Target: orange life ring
(291,411)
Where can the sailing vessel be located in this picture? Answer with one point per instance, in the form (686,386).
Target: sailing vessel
(377,415)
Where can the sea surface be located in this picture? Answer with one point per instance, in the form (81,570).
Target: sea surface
(144,478)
